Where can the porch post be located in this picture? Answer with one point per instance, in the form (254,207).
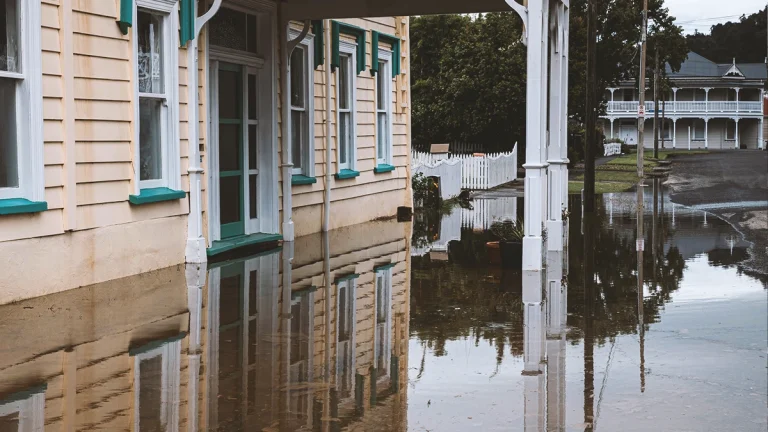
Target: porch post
(760,137)
(737,133)
(706,98)
(612,134)
(536,136)
(706,133)
(557,170)
(674,98)
(736,89)
(674,132)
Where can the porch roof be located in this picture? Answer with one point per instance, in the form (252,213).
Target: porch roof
(321,9)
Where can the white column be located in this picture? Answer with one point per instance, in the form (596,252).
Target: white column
(533,353)
(736,146)
(736,89)
(612,134)
(674,98)
(536,135)
(557,171)
(674,132)
(689,137)
(706,133)
(706,98)
(760,137)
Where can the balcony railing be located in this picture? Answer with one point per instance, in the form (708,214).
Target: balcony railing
(688,107)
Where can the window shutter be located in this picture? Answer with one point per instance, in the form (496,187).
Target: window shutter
(394,41)
(187,21)
(336,29)
(374,52)
(317,29)
(126,16)
(335,57)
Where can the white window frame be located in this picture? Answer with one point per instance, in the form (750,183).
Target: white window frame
(31,410)
(385,72)
(728,123)
(29,106)
(169,129)
(347,52)
(695,135)
(383,277)
(346,376)
(308,147)
(171,372)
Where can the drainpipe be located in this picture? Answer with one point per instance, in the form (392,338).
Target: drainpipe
(327,201)
(287,165)
(195,250)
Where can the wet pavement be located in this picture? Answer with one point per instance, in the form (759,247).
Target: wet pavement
(392,327)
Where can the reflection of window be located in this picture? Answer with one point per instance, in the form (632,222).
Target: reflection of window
(156,386)
(699,130)
(235,30)
(346,106)
(300,352)
(384,109)
(345,354)
(24,413)
(383,315)
(302,122)
(21,119)
(157,84)
(730,130)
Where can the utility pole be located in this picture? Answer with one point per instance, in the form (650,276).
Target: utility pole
(641,108)
(656,105)
(591,110)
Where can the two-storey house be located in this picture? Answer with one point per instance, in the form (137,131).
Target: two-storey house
(711,106)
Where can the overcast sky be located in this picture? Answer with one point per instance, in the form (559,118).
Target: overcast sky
(706,13)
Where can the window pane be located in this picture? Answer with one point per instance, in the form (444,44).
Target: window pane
(297,77)
(229,95)
(150,140)
(343,137)
(9,36)
(381,86)
(253,108)
(253,192)
(230,299)
(9,176)
(253,156)
(228,29)
(149,32)
(150,394)
(229,147)
(382,132)
(229,201)
(253,46)
(297,137)
(344,82)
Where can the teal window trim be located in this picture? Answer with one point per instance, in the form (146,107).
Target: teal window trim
(298,179)
(383,267)
(346,174)
(394,42)
(317,29)
(346,278)
(337,28)
(13,206)
(155,344)
(232,243)
(186,21)
(302,291)
(382,168)
(126,16)
(153,195)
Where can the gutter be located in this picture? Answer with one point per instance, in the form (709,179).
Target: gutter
(328,154)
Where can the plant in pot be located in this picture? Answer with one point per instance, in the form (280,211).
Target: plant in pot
(508,251)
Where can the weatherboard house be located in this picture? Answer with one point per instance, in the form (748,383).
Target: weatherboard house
(711,106)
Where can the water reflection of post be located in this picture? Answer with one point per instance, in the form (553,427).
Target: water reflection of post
(655,228)
(195,274)
(285,335)
(589,336)
(640,247)
(556,316)
(533,352)
(327,369)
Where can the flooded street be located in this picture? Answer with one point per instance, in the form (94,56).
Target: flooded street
(391,327)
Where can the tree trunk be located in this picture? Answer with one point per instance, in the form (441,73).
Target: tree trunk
(656,106)
(663,117)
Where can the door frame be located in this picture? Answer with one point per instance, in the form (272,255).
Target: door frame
(265,65)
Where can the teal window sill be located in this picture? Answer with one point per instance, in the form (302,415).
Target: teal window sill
(153,195)
(226,245)
(382,168)
(20,206)
(298,179)
(346,277)
(346,174)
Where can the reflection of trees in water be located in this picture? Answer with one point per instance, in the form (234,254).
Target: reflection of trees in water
(615,298)
(451,302)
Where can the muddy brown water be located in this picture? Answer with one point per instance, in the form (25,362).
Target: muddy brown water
(368,329)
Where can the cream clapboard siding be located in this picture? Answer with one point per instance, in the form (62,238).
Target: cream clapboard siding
(369,191)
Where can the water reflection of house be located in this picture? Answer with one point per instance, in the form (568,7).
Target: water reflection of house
(106,357)
(253,344)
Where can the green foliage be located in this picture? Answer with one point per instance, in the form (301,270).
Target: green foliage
(509,230)
(468,79)
(744,39)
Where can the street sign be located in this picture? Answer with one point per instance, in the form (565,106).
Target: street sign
(641,111)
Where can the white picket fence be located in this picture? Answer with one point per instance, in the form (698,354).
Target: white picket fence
(485,212)
(612,149)
(477,172)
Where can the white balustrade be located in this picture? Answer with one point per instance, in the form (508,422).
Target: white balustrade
(699,107)
(612,149)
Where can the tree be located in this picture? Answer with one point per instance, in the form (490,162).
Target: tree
(744,40)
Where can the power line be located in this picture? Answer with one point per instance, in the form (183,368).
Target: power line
(707,19)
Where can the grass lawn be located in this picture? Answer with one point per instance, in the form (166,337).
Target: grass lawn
(631,159)
(622,176)
(575,187)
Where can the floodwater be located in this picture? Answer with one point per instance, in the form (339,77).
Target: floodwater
(387,326)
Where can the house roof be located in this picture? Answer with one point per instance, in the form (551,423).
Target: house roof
(696,66)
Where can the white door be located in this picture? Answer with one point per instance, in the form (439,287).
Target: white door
(628,132)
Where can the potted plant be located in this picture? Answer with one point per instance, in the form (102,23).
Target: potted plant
(508,251)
